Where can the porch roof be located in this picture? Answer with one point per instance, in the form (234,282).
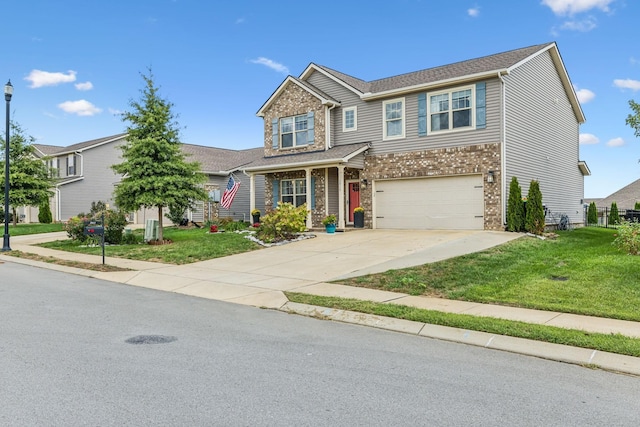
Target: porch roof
(335,155)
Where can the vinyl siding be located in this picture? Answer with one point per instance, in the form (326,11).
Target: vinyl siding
(369,121)
(333,191)
(542,134)
(241,203)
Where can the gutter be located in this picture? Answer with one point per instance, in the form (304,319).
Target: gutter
(299,165)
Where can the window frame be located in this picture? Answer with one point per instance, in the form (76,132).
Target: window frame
(449,93)
(294,187)
(354,109)
(71,165)
(385,121)
(294,132)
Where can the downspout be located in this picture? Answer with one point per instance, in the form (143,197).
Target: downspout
(503,149)
(81,163)
(327,127)
(58,211)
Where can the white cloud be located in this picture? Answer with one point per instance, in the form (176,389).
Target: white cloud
(115,112)
(588,139)
(271,64)
(39,78)
(473,12)
(583,26)
(81,108)
(570,7)
(627,84)
(84,86)
(615,142)
(584,95)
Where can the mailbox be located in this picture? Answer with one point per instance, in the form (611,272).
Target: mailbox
(93,230)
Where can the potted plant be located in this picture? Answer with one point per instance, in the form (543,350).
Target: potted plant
(329,223)
(358,217)
(256,216)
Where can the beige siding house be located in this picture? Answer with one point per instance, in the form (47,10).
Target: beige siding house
(431,149)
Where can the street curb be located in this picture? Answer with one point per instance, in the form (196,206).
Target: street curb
(557,352)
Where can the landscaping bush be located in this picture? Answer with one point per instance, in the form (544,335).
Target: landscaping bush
(636,207)
(534,219)
(44,213)
(614,216)
(130,239)
(515,207)
(75,228)
(115,221)
(236,226)
(283,223)
(628,237)
(175,214)
(592,214)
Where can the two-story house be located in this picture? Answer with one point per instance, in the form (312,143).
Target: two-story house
(431,149)
(83,175)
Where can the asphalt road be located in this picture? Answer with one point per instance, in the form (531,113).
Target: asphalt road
(65,360)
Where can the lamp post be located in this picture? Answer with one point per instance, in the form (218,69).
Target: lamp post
(8,91)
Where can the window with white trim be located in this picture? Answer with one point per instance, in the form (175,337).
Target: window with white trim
(293,131)
(349,119)
(451,110)
(293,191)
(393,119)
(71,165)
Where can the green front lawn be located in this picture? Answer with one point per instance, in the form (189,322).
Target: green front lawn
(580,272)
(22,229)
(189,245)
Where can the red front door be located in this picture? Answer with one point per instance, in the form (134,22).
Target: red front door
(354,198)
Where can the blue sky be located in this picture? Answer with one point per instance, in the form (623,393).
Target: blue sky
(76,63)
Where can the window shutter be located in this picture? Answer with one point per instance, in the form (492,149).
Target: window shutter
(313,192)
(276,192)
(310,128)
(422,114)
(275,138)
(481,109)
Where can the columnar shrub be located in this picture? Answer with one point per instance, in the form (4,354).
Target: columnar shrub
(592,214)
(534,220)
(44,213)
(628,238)
(115,221)
(515,207)
(614,216)
(283,223)
(636,207)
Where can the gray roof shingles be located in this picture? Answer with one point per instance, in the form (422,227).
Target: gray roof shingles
(334,153)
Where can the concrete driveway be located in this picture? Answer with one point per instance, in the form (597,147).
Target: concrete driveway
(259,277)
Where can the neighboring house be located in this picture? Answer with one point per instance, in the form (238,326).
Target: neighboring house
(84,175)
(625,198)
(432,149)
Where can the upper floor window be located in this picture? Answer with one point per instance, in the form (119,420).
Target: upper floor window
(71,165)
(349,119)
(451,110)
(393,118)
(294,191)
(54,167)
(293,131)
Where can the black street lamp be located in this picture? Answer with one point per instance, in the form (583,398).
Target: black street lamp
(8,91)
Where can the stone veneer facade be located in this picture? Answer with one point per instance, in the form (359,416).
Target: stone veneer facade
(294,101)
(464,160)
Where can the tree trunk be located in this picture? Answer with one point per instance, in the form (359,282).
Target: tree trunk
(15,216)
(160,233)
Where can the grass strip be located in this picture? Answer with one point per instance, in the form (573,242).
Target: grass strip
(612,343)
(66,263)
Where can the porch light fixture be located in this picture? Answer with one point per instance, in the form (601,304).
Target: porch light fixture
(490,177)
(364,181)
(8,92)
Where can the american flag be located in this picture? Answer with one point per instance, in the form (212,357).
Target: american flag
(229,193)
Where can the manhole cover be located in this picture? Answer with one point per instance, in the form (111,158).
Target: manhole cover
(150,339)
(560,278)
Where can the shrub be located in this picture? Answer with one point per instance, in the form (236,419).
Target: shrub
(236,226)
(130,239)
(283,223)
(175,214)
(628,238)
(44,213)
(75,228)
(97,208)
(534,219)
(614,216)
(592,214)
(636,207)
(515,207)
(115,221)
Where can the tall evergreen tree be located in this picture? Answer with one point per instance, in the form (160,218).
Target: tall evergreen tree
(154,170)
(614,216)
(515,207)
(592,214)
(44,213)
(29,182)
(636,207)
(534,220)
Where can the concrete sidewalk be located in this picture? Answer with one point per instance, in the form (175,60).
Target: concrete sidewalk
(259,278)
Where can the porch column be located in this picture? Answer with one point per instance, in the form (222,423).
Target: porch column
(252,193)
(341,222)
(307,175)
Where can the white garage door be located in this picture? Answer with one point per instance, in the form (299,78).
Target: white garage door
(447,203)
